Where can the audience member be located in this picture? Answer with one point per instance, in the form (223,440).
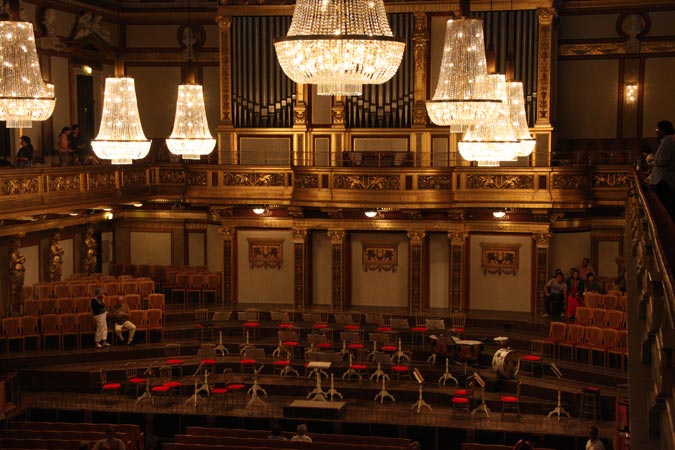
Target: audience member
(276,433)
(120,316)
(302,434)
(584,268)
(98,308)
(662,178)
(24,157)
(110,442)
(575,292)
(81,148)
(63,146)
(620,280)
(594,443)
(556,291)
(84,445)
(523,445)
(591,284)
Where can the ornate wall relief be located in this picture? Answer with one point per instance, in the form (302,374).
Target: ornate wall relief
(265,253)
(499,259)
(379,256)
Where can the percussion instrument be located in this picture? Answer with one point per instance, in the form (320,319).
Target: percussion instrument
(469,350)
(506,363)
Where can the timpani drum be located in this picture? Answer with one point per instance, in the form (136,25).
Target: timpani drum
(468,350)
(506,363)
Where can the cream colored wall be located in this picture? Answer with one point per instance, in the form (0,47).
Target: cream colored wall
(659,94)
(265,150)
(106,251)
(150,248)
(214,249)
(607,252)
(265,285)
(196,254)
(501,292)
(592,26)
(662,23)
(382,144)
(568,249)
(68,258)
(32,265)
(587,98)
(439,269)
(156,90)
(322,268)
(374,288)
(147,36)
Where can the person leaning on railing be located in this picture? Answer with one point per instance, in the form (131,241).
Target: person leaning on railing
(662,178)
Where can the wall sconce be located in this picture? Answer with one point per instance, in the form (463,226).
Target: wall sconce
(262,211)
(630,93)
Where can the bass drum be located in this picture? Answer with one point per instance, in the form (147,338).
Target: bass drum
(506,363)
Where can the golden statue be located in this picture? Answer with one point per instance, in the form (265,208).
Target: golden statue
(91,255)
(16,276)
(55,258)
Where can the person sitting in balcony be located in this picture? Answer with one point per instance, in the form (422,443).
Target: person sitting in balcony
(662,178)
(591,284)
(24,157)
(575,292)
(556,291)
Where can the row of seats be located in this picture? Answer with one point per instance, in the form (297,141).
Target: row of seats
(607,301)
(602,318)
(243,442)
(67,305)
(201,286)
(51,432)
(143,287)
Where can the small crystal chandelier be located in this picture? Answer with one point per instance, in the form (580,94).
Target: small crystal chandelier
(458,100)
(24,96)
(339,45)
(190,137)
(120,136)
(516,101)
(492,140)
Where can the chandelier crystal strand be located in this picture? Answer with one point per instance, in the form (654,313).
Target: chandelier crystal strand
(458,100)
(24,96)
(190,137)
(339,45)
(518,118)
(120,136)
(491,140)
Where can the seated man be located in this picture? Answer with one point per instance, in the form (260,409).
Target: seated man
(110,442)
(120,316)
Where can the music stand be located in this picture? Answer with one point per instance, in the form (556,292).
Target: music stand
(253,391)
(483,406)
(384,393)
(420,401)
(447,375)
(559,408)
(379,373)
(147,374)
(221,347)
(332,392)
(317,393)
(203,388)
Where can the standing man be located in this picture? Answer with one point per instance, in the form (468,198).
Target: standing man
(593,442)
(120,315)
(100,312)
(662,178)
(585,268)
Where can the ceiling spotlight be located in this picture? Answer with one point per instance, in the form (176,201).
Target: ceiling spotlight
(137,205)
(371,213)
(73,214)
(499,214)
(107,209)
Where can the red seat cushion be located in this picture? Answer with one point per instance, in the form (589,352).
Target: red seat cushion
(173,362)
(358,366)
(388,348)
(509,399)
(383,329)
(136,380)
(281,362)
(235,387)
(419,329)
(351,327)
(355,346)
(318,326)
(591,390)
(532,358)
(400,368)
(286,325)
(289,344)
(208,361)
(458,329)
(251,324)
(111,386)
(247,361)
(162,388)
(200,325)
(460,392)
(219,391)
(460,400)
(324,345)
(172,384)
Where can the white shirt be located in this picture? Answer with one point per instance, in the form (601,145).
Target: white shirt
(663,166)
(595,445)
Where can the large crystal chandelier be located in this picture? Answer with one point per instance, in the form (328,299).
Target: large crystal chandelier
(24,96)
(339,45)
(459,101)
(491,141)
(190,137)
(516,100)
(120,137)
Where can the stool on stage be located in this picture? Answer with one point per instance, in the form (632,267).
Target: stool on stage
(461,400)
(590,403)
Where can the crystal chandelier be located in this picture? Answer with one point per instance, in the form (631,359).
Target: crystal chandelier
(459,101)
(120,136)
(516,100)
(190,137)
(339,45)
(492,140)
(24,96)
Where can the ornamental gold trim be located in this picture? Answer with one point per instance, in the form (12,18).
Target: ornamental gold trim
(367,182)
(500,181)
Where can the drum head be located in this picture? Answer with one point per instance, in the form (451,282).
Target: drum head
(506,363)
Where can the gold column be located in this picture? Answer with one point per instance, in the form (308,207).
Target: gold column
(301,270)
(225,129)
(544,66)
(340,291)
(300,107)
(421,40)
(417,273)
(229,275)
(542,244)
(457,274)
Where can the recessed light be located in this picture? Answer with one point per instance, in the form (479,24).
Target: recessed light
(259,211)
(137,205)
(370,213)
(499,214)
